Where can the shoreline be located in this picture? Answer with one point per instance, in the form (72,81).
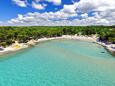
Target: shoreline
(19,46)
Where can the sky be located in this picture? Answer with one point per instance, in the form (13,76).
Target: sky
(57,12)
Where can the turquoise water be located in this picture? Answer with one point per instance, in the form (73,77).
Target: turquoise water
(59,63)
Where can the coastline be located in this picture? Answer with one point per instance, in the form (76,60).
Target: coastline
(109,47)
(18,46)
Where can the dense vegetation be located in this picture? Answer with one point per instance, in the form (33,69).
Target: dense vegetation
(9,34)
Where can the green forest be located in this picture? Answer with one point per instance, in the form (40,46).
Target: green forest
(8,34)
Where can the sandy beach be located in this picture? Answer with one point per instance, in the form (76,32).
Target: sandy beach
(18,46)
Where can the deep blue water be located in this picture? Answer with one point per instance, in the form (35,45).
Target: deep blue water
(59,63)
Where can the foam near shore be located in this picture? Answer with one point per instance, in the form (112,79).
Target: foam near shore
(17,46)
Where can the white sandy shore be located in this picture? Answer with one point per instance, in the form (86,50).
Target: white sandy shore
(12,49)
(110,47)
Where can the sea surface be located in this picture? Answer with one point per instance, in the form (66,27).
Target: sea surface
(59,63)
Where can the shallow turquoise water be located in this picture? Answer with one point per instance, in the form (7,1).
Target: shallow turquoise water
(59,63)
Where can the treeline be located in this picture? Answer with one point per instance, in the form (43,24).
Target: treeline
(8,34)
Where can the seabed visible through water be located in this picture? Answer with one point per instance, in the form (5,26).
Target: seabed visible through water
(59,63)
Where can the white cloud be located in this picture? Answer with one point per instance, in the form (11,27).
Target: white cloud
(20,3)
(37,0)
(56,2)
(103,14)
(85,15)
(20,16)
(38,6)
(95,5)
(76,22)
(69,8)
(46,18)
(51,19)
(35,3)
